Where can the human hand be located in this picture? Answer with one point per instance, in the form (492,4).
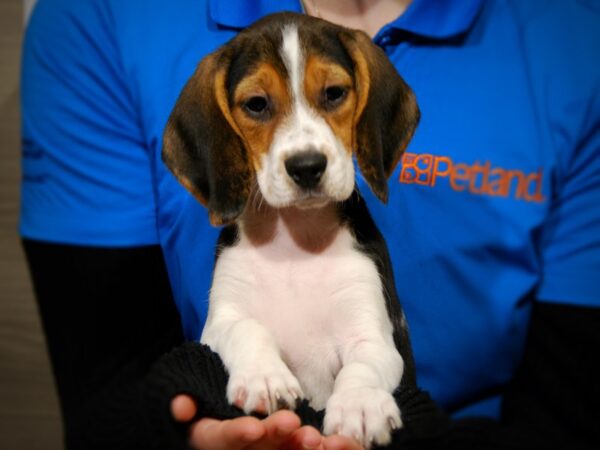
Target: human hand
(279,431)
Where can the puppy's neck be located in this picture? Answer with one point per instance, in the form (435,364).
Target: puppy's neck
(309,229)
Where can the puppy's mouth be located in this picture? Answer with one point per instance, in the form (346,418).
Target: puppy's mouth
(311,198)
(313,202)
(302,199)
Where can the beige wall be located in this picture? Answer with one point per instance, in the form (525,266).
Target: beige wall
(27,7)
(29,417)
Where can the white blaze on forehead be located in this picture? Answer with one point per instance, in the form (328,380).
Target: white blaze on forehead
(293,58)
(302,129)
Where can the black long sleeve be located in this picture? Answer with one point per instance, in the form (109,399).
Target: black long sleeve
(195,370)
(118,355)
(556,391)
(551,403)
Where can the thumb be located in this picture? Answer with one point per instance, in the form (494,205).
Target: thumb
(183,408)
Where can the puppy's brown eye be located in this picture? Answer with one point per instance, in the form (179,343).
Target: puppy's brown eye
(257,106)
(334,96)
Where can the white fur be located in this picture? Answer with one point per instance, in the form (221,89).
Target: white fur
(303,129)
(291,323)
(288,322)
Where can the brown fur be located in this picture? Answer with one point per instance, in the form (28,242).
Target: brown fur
(389,116)
(313,229)
(321,73)
(266,80)
(213,147)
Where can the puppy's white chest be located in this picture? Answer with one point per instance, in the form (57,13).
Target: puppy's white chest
(305,300)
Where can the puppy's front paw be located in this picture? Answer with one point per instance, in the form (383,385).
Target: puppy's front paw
(369,415)
(264,389)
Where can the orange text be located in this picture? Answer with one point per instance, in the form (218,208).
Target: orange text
(477,178)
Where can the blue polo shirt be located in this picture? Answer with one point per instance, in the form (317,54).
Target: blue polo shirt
(496,202)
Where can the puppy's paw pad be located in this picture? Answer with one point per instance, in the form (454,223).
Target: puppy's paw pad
(366,414)
(264,391)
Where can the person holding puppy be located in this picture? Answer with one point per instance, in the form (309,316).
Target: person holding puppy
(491,221)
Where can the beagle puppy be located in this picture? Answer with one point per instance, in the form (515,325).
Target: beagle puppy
(303,302)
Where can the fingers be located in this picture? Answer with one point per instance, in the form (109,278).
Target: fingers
(212,434)
(338,442)
(183,408)
(279,430)
(309,438)
(280,427)
(244,432)
(305,438)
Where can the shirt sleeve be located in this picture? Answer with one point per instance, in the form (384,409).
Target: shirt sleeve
(571,239)
(86,167)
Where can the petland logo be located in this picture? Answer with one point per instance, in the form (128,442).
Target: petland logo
(477,178)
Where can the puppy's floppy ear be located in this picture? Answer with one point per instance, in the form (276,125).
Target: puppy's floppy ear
(202,144)
(386,113)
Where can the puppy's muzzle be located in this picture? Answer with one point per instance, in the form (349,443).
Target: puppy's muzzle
(306,168)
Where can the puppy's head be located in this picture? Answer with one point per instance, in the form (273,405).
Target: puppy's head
(285,105)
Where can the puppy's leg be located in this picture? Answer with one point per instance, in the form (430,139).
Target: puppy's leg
(259,380)
(361,405)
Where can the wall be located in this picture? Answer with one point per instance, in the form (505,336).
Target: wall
(29,416)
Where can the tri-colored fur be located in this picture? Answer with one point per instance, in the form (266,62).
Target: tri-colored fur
(303,302)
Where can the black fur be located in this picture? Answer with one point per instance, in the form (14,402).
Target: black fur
(356,215)
(228,237)
(213,158)
(203,150)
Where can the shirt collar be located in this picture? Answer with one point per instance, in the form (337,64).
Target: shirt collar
(436,19)
(242,13)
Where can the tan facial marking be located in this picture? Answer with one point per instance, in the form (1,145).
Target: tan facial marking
(313,230)
(221,97)
(258,134)
(209,91)
(363,84)
(320,74)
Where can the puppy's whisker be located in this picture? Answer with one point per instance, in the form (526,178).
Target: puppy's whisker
(260,202)
(254,199)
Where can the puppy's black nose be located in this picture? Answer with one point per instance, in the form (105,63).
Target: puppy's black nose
(306,168)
